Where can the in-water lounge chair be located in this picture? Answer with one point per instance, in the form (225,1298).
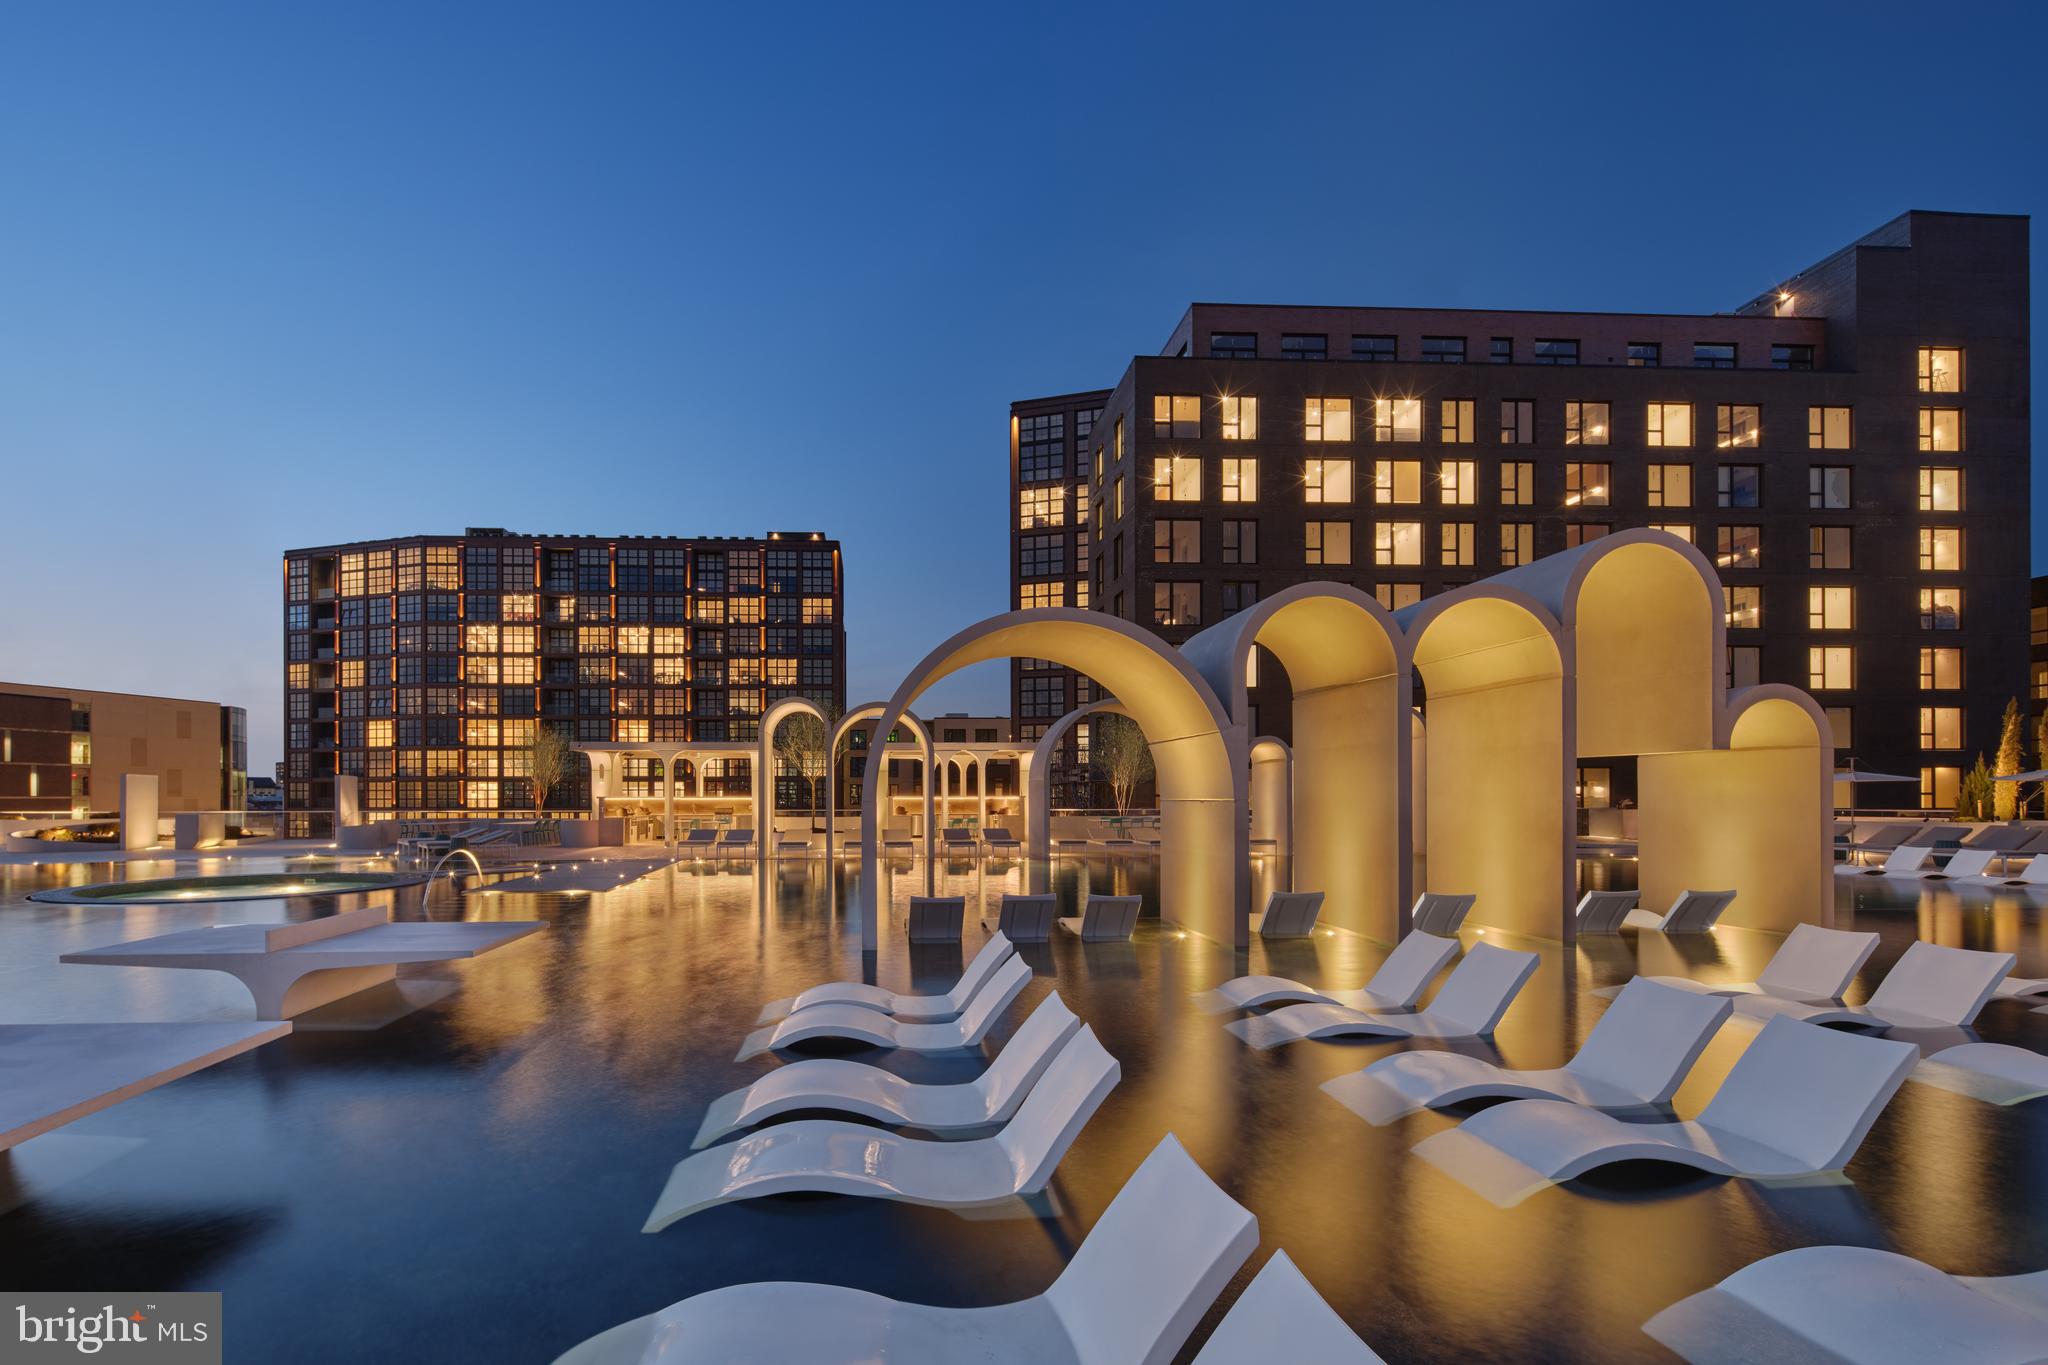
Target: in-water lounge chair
(1798,1102)
(1929,987)
(1397,985)
(1105,919)
(1694,912)
(1280,1317)
(834,1156)
(2034,872)
(858,1024)
(1162,1251)
(1857,1304)
(1602,912)
(1996,1073)
(1964,863)
(937,919)
(1025,919)
(909,1009)
(870,1092)
(1635,1058)
(1813,965)
(1470,1004)
(1441,913)
(1289,914)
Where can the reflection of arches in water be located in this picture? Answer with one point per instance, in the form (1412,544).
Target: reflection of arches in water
(1204,845)
(1346,666)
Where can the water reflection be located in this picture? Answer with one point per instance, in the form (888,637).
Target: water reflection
(489,1152)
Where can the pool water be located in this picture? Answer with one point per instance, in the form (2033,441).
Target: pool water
(467,1182)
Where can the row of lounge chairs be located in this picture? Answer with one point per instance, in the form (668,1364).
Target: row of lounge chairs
(1135,1289)
(1993,855)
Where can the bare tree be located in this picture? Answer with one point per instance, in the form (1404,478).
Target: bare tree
(547,762)
(1118,753)
(803,744)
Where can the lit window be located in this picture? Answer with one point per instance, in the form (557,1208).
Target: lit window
(1175,478)
(1941,549)
(1827,547)
(1941,727)
(1830,668)
(1738,547)
(1585,485)
(1043,506)
(1940,788)
(1941,668)
(1740,485)
(1517,483)
(1327,480)
(1327,419)
(1742,606)
(1240,480)
(1517,421)
(1329,542)
(1459,483)
(1517,543)
(1941,428)
(1713,355)
(1830,608)
(1736,426)
(1397,419)
(1941,608)
(1670,485)
(1397,542)
(1941,369)
(1670,424)
(1457,542)
(1681,529)
(1585,424)
(1941,489)
(1827,429)
(1238,418)
(1457,421)
(1176,604)
(1577,533)
(1395,481)
(1827,486)
(1177,416)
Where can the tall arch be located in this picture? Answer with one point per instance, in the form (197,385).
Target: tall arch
(1197,752)
(1038,777)
(1347,663)
(764,766)
(1499,820)
(1271,794)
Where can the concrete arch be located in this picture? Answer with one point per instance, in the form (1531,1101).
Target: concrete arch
(1197,752)
(1347,662)
(764,764)
(1271,793)
(1500,817)
(1038,776)
(1751,813)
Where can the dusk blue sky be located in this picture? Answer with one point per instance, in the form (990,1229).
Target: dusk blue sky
(286,274)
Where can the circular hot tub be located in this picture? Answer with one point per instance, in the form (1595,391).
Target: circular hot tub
(202,890)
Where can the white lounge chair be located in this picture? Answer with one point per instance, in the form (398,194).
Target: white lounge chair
(1289,914)
(937,919)
(1798,1102)
(1280,1317)
(1907,860)
(292,968)
(2013,987)
(855,1023)
(870,1092)
(1397,985)
(1470,1004)
(1930,987)
(1105,919)
(1856,1304)
(908,1009)
(1441,913)
(1602,912)
(1694,912)
(1813,965)
(1964,863)
(1636,1057)
(1160,1254)
(833,1156)
(1996,1073)
(53,1074)
(1025,919)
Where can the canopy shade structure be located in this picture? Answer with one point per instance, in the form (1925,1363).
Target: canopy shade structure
(1864,775)
(2038,775)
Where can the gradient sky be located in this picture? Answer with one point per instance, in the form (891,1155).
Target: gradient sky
(287,274)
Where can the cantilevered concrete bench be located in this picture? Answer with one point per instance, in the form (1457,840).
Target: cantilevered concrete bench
(51,1074)
(292,968)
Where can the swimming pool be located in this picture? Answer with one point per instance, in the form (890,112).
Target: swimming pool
(249,887)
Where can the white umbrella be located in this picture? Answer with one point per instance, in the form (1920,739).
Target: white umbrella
(2038,775)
